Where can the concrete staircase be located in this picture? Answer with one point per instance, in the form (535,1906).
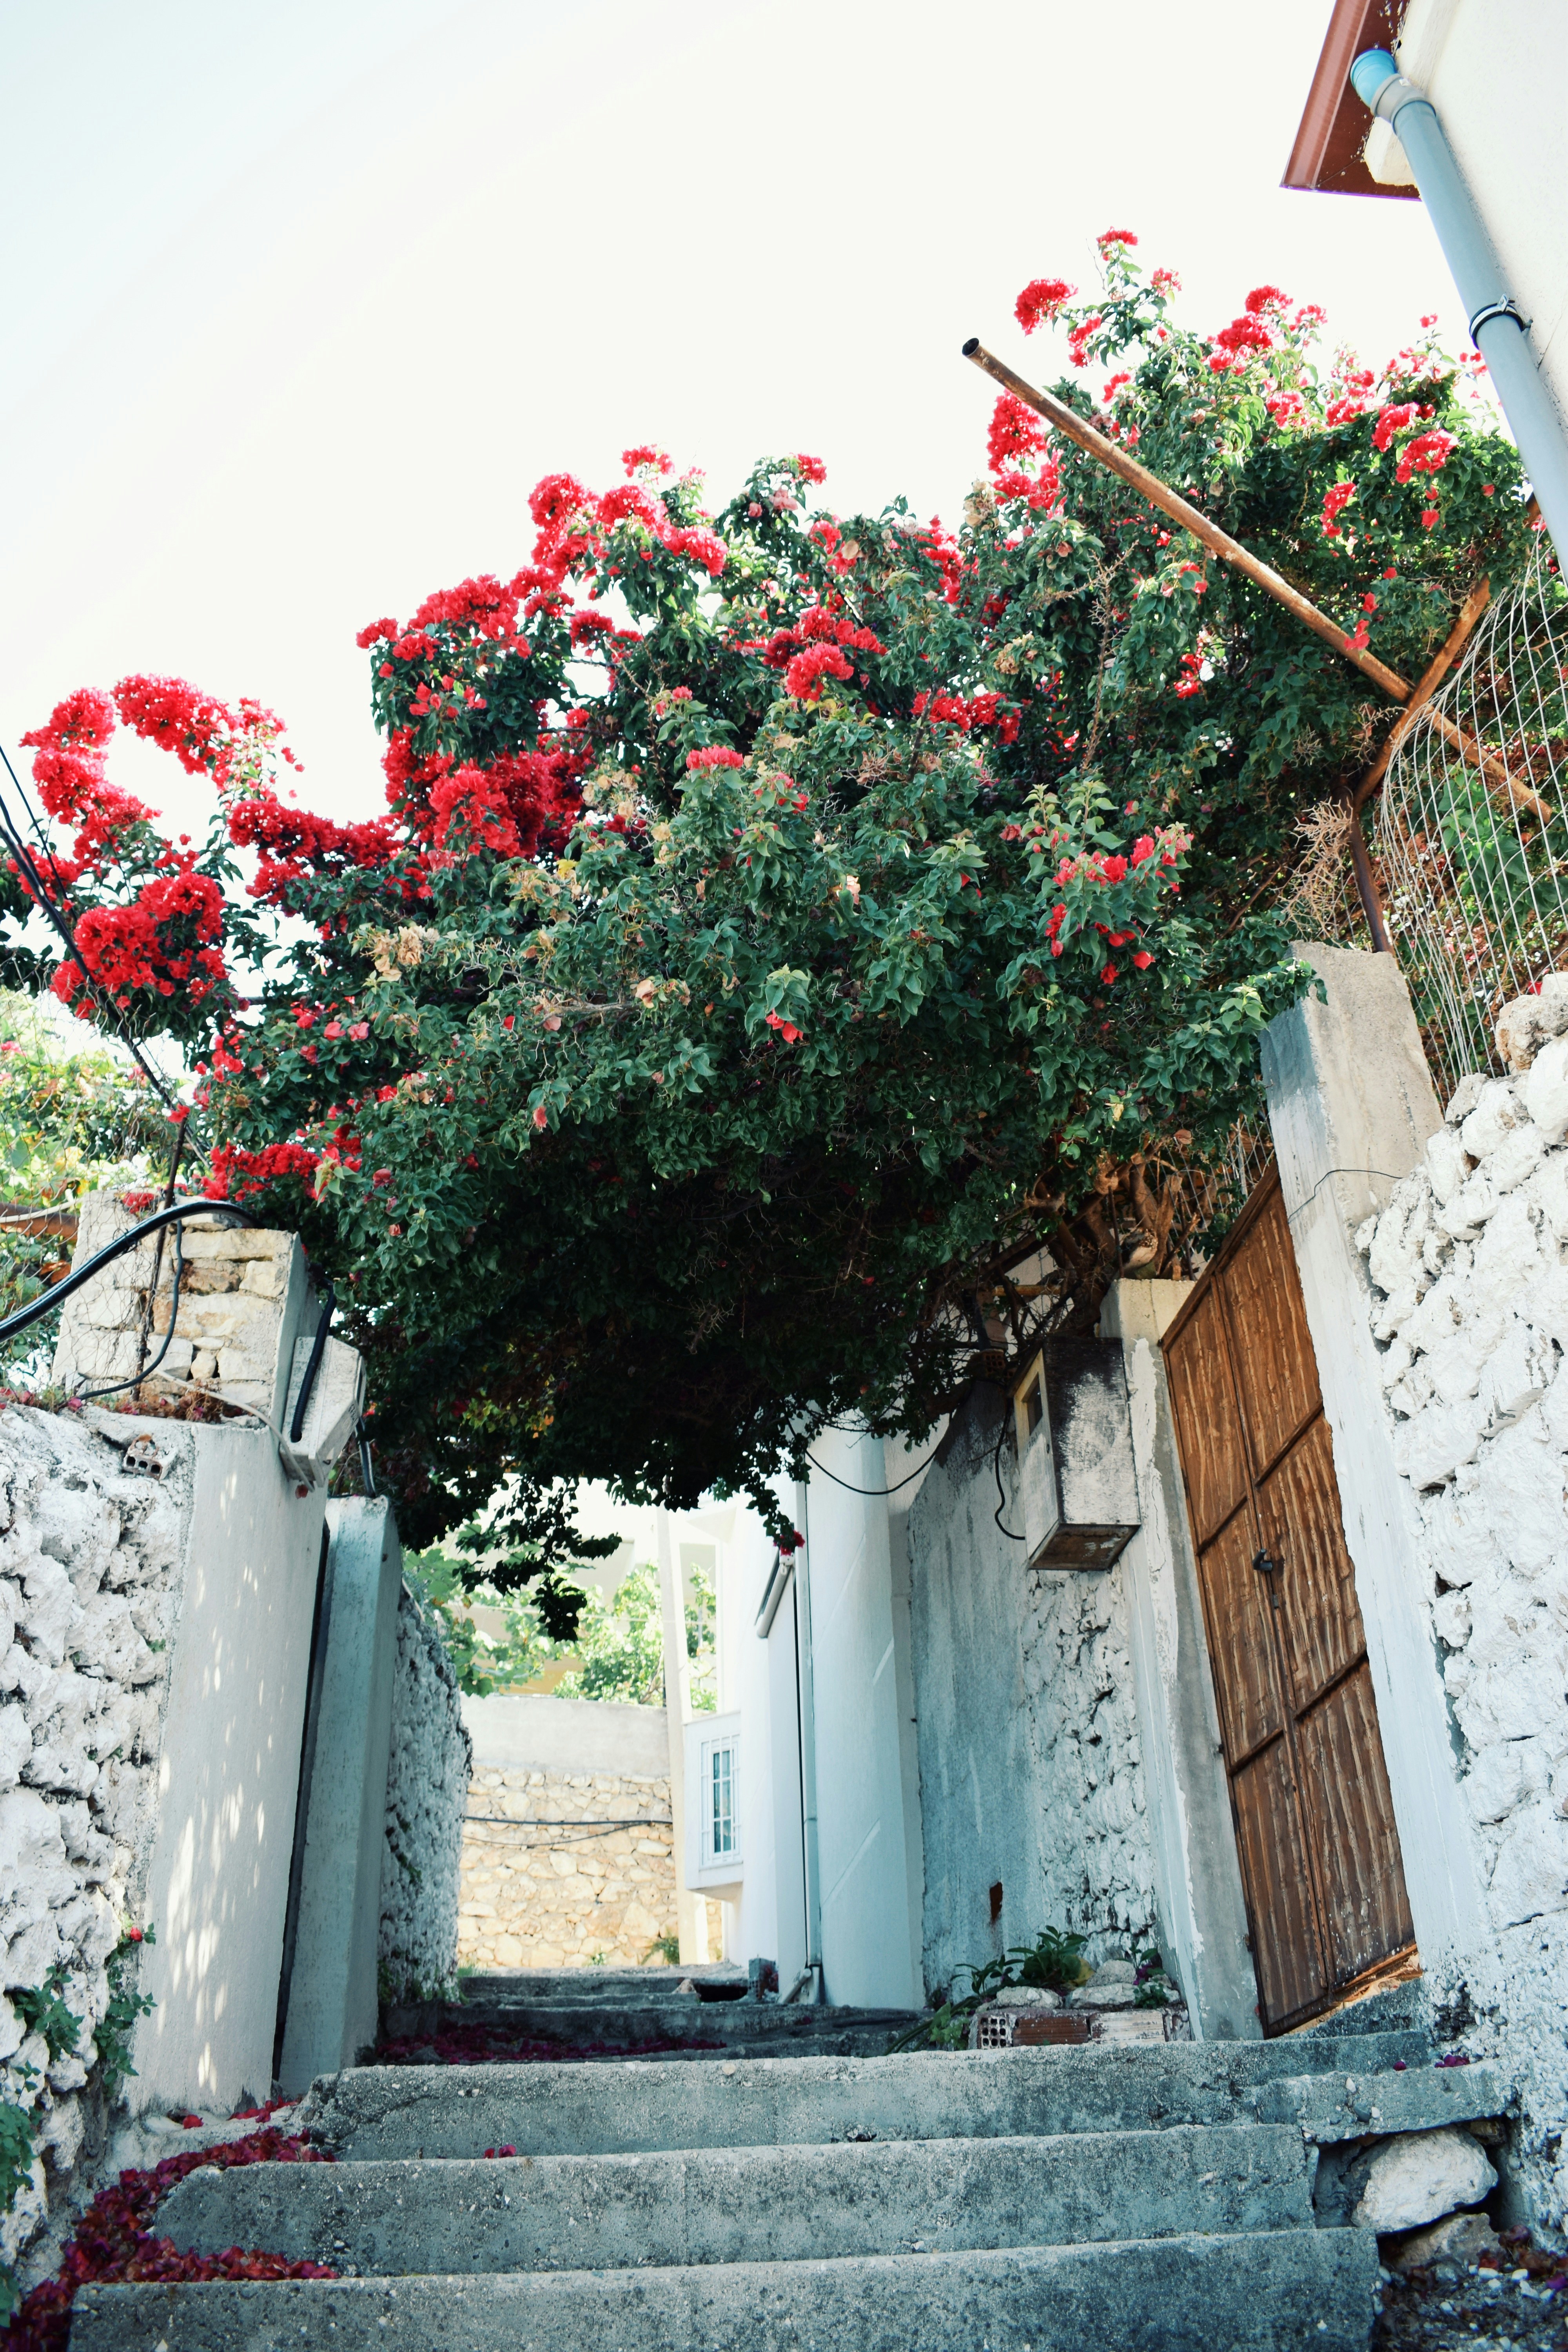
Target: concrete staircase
(1153,2199)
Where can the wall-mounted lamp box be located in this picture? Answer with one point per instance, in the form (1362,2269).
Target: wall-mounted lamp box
(1078,1490)
(713,1863)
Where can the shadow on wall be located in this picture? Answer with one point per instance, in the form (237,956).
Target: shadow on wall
(1031,1772)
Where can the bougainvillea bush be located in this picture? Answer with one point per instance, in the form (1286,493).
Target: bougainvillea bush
(783,923)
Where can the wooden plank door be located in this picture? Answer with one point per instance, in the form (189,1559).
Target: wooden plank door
(1314,1819)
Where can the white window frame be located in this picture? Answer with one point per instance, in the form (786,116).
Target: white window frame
(706,1736)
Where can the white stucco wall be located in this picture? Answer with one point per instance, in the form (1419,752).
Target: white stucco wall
(870,1897)
(1497,71)
(229,1775)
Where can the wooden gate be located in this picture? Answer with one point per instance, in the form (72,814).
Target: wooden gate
(1314,1819)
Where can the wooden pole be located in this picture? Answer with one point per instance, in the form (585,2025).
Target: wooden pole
(1219,543)
(1240,559)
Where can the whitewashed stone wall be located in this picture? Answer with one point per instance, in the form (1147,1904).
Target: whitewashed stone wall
(1469,1304)
(543,1897)
(426,1785)
(90,1560)
(1030,1759)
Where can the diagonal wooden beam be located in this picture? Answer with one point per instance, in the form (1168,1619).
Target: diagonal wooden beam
(1219,543)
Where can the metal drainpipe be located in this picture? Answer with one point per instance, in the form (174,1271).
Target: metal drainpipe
(1499,328)
(807,1689)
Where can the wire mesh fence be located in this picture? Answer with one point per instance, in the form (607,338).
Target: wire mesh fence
(1471,831)
(1468,837)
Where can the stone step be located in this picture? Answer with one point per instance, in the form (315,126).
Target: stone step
(1285,2291)
(586,2026)
(624,1988)
(749,2204)
(636,2106)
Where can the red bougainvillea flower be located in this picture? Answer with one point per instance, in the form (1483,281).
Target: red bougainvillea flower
(1264,298)
(810,470)
(700,547)
(1114,237)
(715,755)
(1245,334)
(1191,680)
(1392,420)
(1078,341)
(786,1029)
(1335,501)
(805,676)
(646,454)
(1428,454)
(1016,432)
(1041,299)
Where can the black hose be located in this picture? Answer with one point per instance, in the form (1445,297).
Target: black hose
(36,1309)
(90,1396)
(297,1426)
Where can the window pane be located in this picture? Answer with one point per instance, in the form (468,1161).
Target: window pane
(722,1794)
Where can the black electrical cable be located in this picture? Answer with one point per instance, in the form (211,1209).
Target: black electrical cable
(36,1309)
(1001,1490)
(366,1466)
(870,1490)
(297,1426)
(90,1396)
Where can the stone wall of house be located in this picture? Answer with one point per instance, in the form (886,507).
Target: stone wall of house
(1469,1268)
(1030,1759)
(91,1554)
(539,1893)
(427,1770)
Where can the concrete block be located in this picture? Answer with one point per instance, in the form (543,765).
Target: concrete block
(217,1875)
(1265,2291)
(332,2009)
(755,2204)
(639,2104)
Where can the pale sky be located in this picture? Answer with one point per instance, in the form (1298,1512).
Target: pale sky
(302,300)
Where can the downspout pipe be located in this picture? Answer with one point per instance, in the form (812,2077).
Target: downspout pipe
(1499,328)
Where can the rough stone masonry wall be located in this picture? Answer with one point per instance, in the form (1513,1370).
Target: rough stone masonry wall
(1031,1765)
(241,1292)
(428,1763)
(89,1567)
(1469,1268)
(543,1899)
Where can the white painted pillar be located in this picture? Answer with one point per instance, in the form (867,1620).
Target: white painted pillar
(691,1911)
(1352,1106)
